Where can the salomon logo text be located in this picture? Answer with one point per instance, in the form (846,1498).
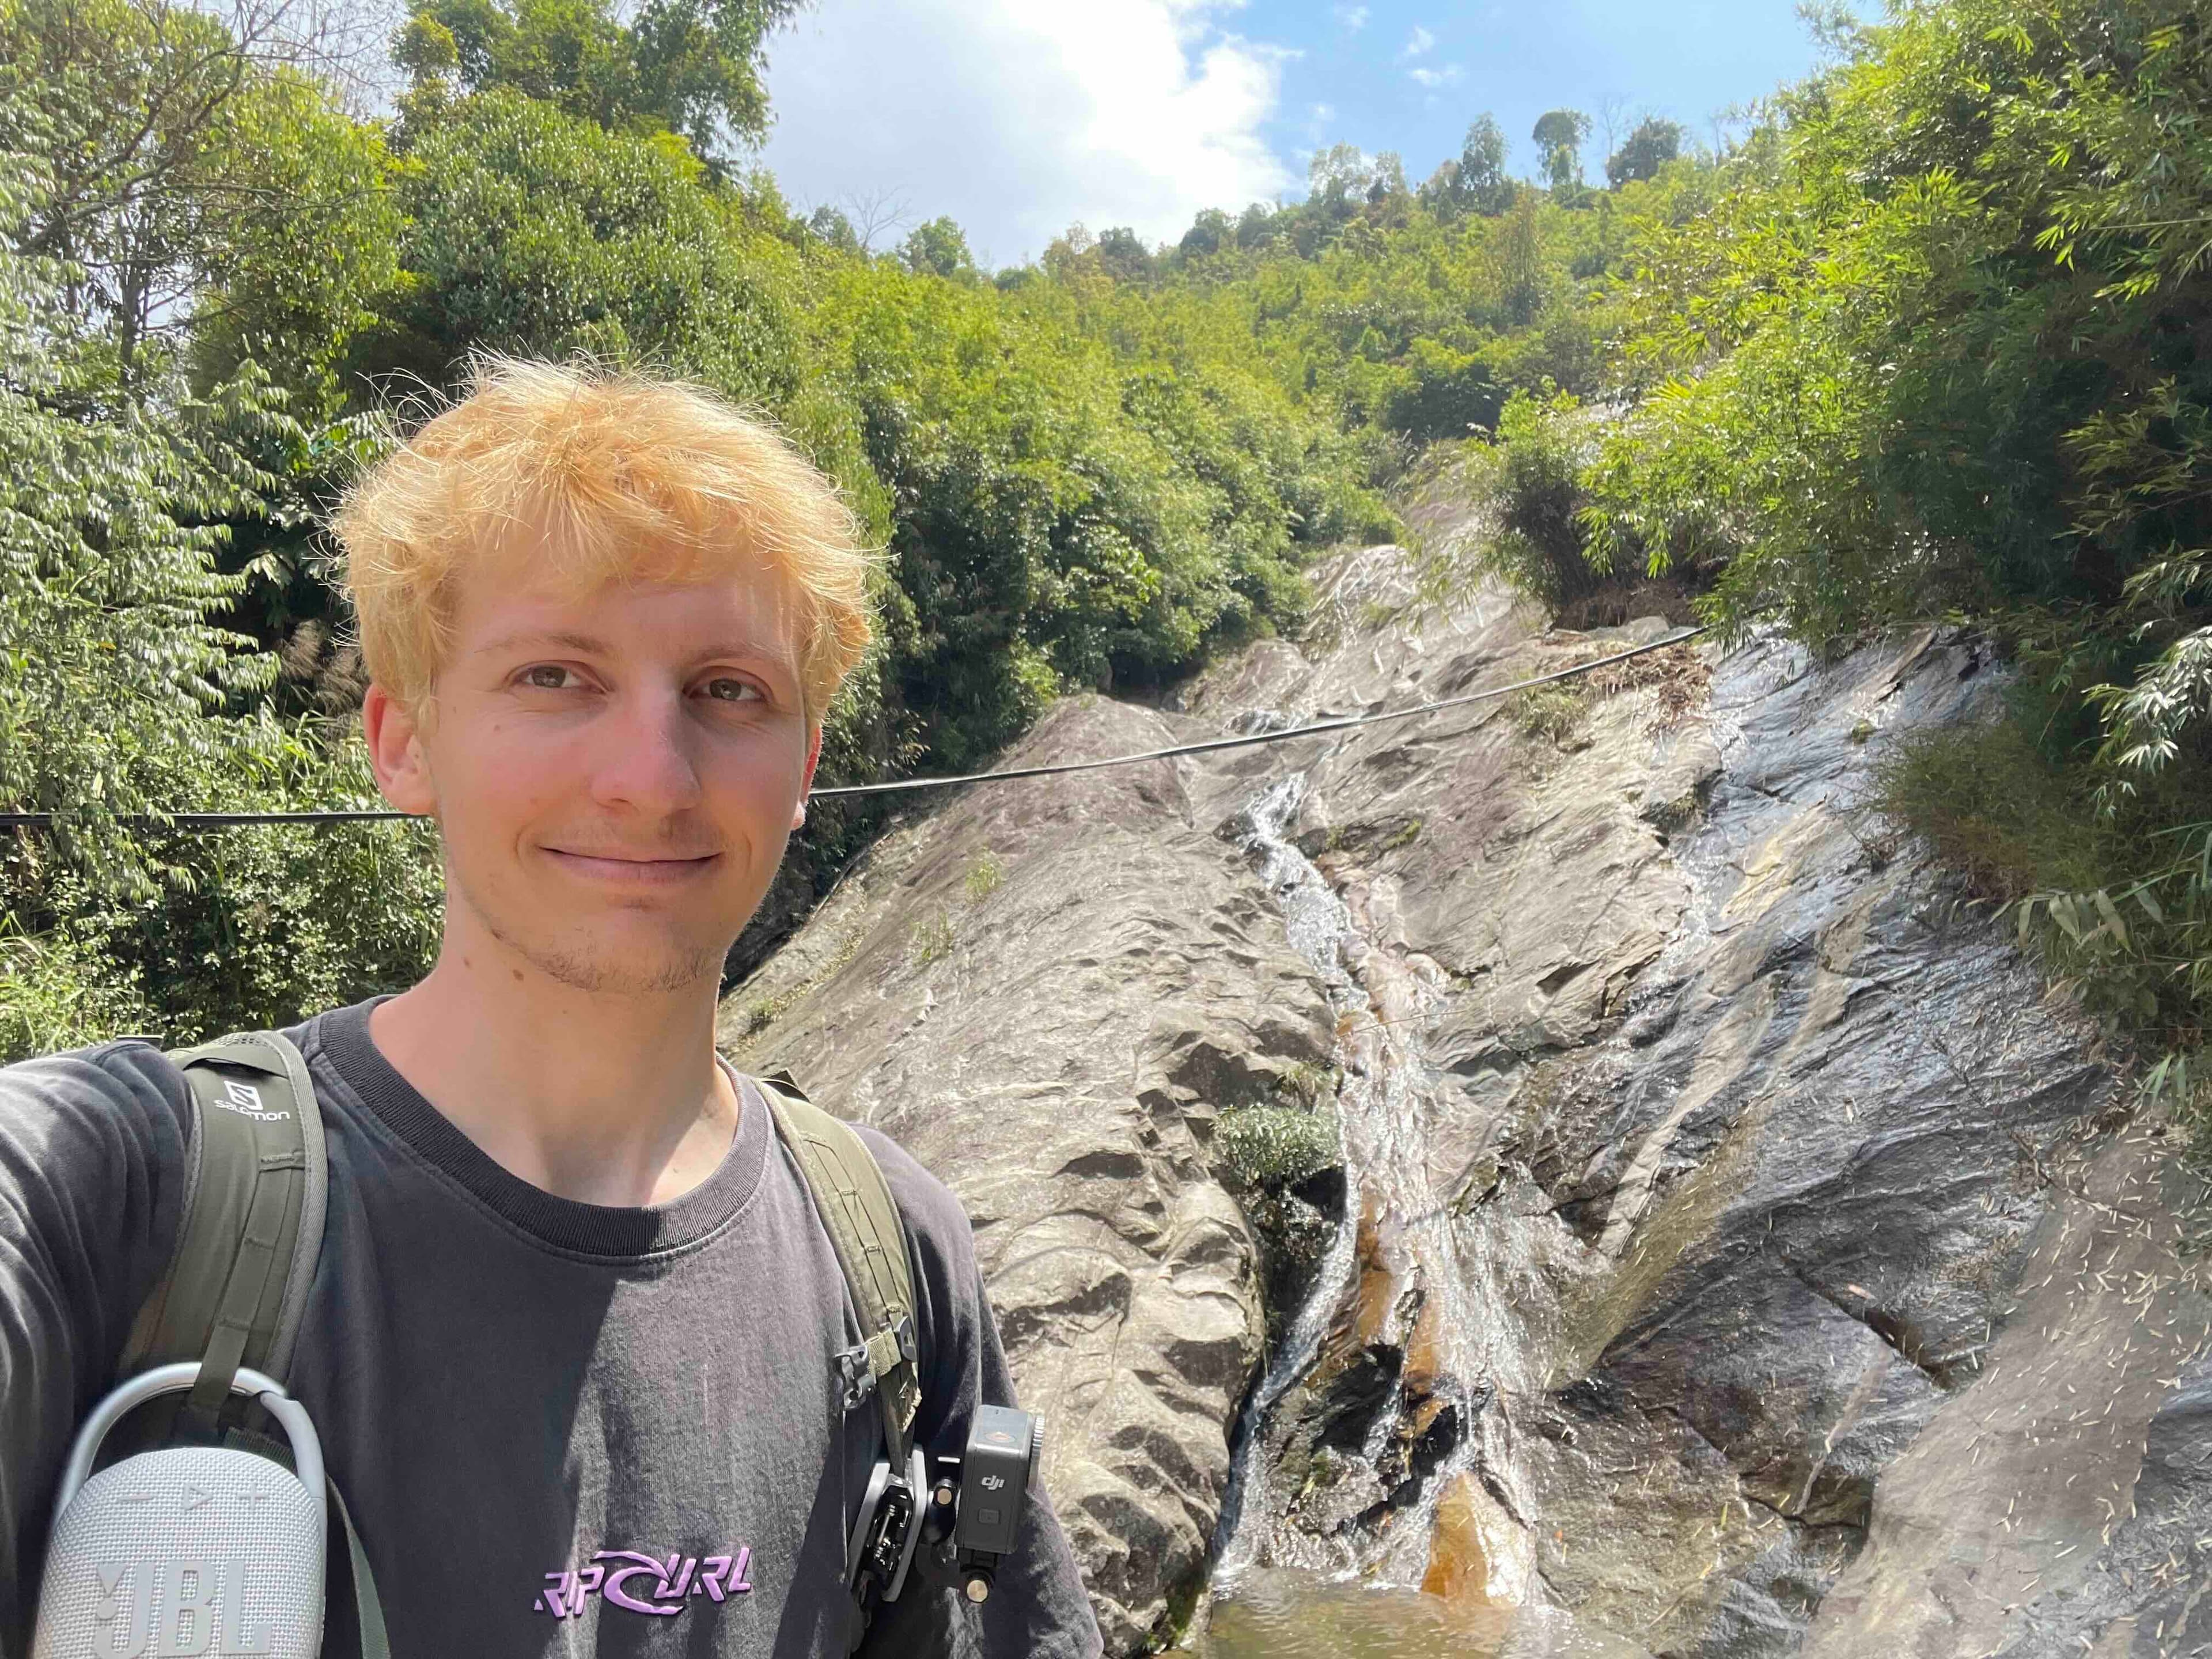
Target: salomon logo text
(245,1100)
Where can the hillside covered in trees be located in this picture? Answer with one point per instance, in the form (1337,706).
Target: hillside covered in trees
(1924,341)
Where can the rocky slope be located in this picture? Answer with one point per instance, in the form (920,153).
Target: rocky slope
(1719,1244)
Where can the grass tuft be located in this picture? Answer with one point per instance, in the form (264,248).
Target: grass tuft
(931,939)
(1267,1148)
(985,875)
(1549,713)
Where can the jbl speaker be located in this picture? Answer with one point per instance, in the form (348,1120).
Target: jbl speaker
(186,1550)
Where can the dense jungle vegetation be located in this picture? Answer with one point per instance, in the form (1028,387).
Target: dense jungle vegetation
(1923,341)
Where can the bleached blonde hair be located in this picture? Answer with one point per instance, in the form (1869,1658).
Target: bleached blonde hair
(598,475)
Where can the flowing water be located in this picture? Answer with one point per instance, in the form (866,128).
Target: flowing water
(1319,926)
(1286,1615)
(1381,997)
(1340,1573)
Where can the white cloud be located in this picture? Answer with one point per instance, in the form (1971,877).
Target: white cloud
(1435,77)
(1018,117)
(1352,19)
(1418,42)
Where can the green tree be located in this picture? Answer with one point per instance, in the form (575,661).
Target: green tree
(1474,180)
(1257,226)
(1652,144)
(1534,479)
(109,595)
(834,229)
(122,691)
(1520,262)
(197,183)
(530,230)
(1922,347)
(1210,232)
(1339,172)
(939,248)
(1344,176)
(685,66)
(1123,255)
(1560,135)
(1449,394)
(1087,493)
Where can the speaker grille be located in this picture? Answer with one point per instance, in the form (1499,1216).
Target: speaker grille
(195,1550)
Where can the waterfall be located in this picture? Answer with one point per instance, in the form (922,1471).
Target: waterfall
(1381,997)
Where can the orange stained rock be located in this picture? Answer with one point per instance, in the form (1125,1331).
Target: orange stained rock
(1459,1556)
(1424,1355)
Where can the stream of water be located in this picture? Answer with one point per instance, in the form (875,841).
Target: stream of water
(1279,1614)
(1286,1587)
(1318,923)
(1380,998)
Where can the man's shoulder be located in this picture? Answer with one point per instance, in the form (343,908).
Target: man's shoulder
(126,1080)
(932,1213)
(937,1225)
(95,1146)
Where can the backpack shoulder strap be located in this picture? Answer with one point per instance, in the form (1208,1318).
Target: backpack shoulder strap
(238,1280)
(862,1219)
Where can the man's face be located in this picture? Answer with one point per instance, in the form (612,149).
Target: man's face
(615,775)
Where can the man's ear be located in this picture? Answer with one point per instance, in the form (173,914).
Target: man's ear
(806,779)
(395,752)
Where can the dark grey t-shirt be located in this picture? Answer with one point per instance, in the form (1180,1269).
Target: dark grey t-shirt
(523,1399)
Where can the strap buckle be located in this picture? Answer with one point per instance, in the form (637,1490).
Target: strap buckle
(892,1346)
(857,1375)
(863,1366)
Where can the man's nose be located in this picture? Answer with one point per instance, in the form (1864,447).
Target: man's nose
(645,760)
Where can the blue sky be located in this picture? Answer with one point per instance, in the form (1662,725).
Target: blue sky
(1020,117)
(1404,75)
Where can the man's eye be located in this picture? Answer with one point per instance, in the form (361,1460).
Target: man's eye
(546,677)
(729,691)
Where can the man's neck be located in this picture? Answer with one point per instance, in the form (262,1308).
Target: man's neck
(605,1098)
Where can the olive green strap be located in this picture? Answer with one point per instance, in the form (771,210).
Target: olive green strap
(368,1607)
(238,1280)
(869,1236)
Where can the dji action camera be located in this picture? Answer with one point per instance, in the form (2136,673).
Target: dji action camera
(186,1549)
(984,1492)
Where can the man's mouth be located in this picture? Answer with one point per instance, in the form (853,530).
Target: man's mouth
(634,869)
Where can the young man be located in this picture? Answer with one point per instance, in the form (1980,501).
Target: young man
(573,1295)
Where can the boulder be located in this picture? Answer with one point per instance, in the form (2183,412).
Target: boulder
(1047,992)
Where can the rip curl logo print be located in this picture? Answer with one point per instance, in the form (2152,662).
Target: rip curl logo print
(638,1583)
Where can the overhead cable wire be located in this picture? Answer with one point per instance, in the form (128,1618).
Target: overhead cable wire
(1341,724)
(903,786)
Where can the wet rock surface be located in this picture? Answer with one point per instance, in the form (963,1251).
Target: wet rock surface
(1734,1251)
(1047,994)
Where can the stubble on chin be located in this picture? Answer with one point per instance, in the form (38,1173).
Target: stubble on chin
(678,967)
